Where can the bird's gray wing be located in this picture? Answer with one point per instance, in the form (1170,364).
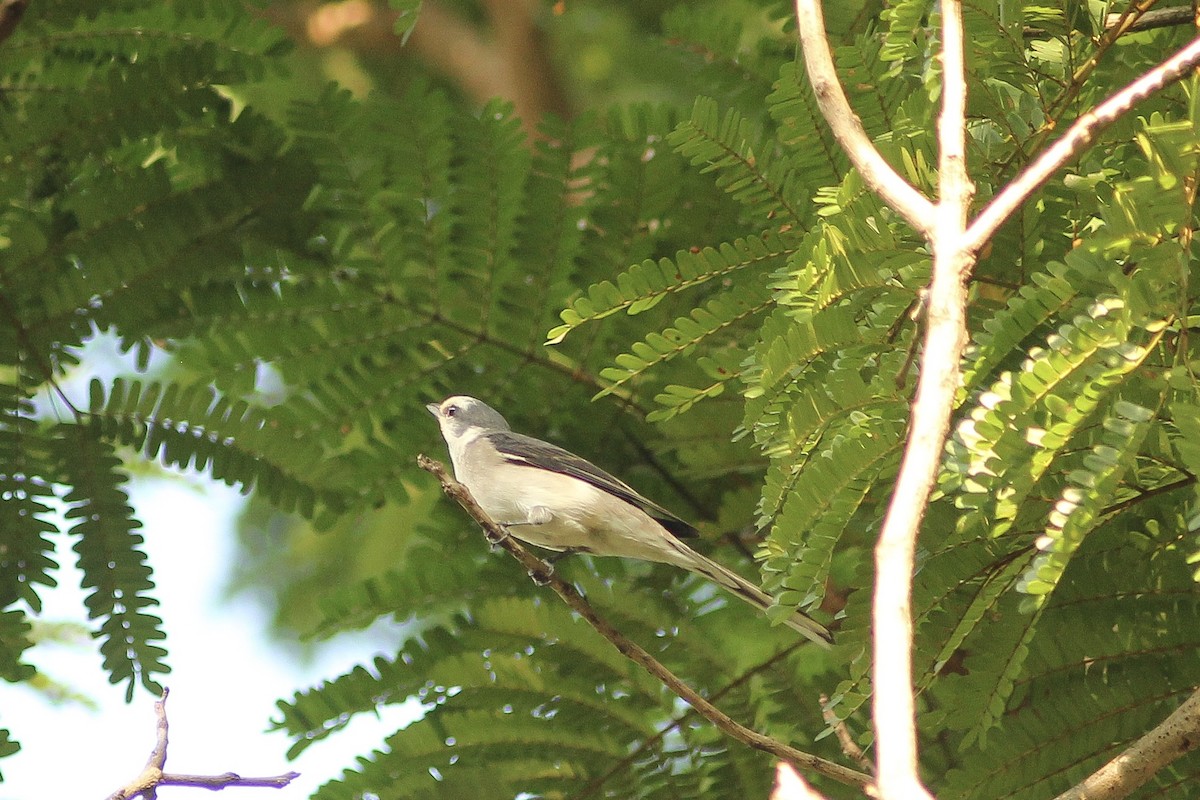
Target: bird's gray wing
(524,450)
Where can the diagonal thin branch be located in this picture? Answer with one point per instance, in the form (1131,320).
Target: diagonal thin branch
(840,729)
(597,783)
(1177,735)
(541,573)
(1075,140)
(847,128)
(1154,18)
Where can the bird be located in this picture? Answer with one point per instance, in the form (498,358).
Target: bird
(551,498)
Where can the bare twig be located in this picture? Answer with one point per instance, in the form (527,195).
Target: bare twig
(227,779)
(1175,736)
(1058,106)
(152,776)
(847,128)
(1154,18)
(1075,140)
(1145,494)
(842,731)
(1147,20)
(542,574)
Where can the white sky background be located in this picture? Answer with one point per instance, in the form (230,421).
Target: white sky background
(226,675)
(226,672)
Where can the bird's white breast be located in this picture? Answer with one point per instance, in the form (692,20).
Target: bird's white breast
(582,516)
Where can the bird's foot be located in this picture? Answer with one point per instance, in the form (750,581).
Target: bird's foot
(494,539)
(541,578)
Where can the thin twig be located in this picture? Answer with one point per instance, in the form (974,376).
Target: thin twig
(847,128)
(227,779)
(840,729)
(152,776)
(1154,18)
(1057,107)
(1146,494)
(1148,20)
(542,574)
(1175,736)
(1075,140)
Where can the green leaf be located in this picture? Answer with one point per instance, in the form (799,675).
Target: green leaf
(407,14)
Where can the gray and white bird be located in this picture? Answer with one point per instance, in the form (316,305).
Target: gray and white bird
(554,499)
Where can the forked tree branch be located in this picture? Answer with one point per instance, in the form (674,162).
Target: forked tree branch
(542,574)
(945,338)
(954,246)
(152,776)
(879,175)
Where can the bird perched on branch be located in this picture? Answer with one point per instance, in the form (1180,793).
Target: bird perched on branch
(554,499)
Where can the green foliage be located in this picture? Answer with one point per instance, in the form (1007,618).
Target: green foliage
(521,678)
(26,563)
(725,146)
(645,285)
(407,13)
(7,746)
(192,428)
(120,193)
(114,568)
(747,318)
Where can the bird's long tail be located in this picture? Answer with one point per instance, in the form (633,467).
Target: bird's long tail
(737,585)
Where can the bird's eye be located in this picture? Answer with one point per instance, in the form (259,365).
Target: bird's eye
(451,411)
